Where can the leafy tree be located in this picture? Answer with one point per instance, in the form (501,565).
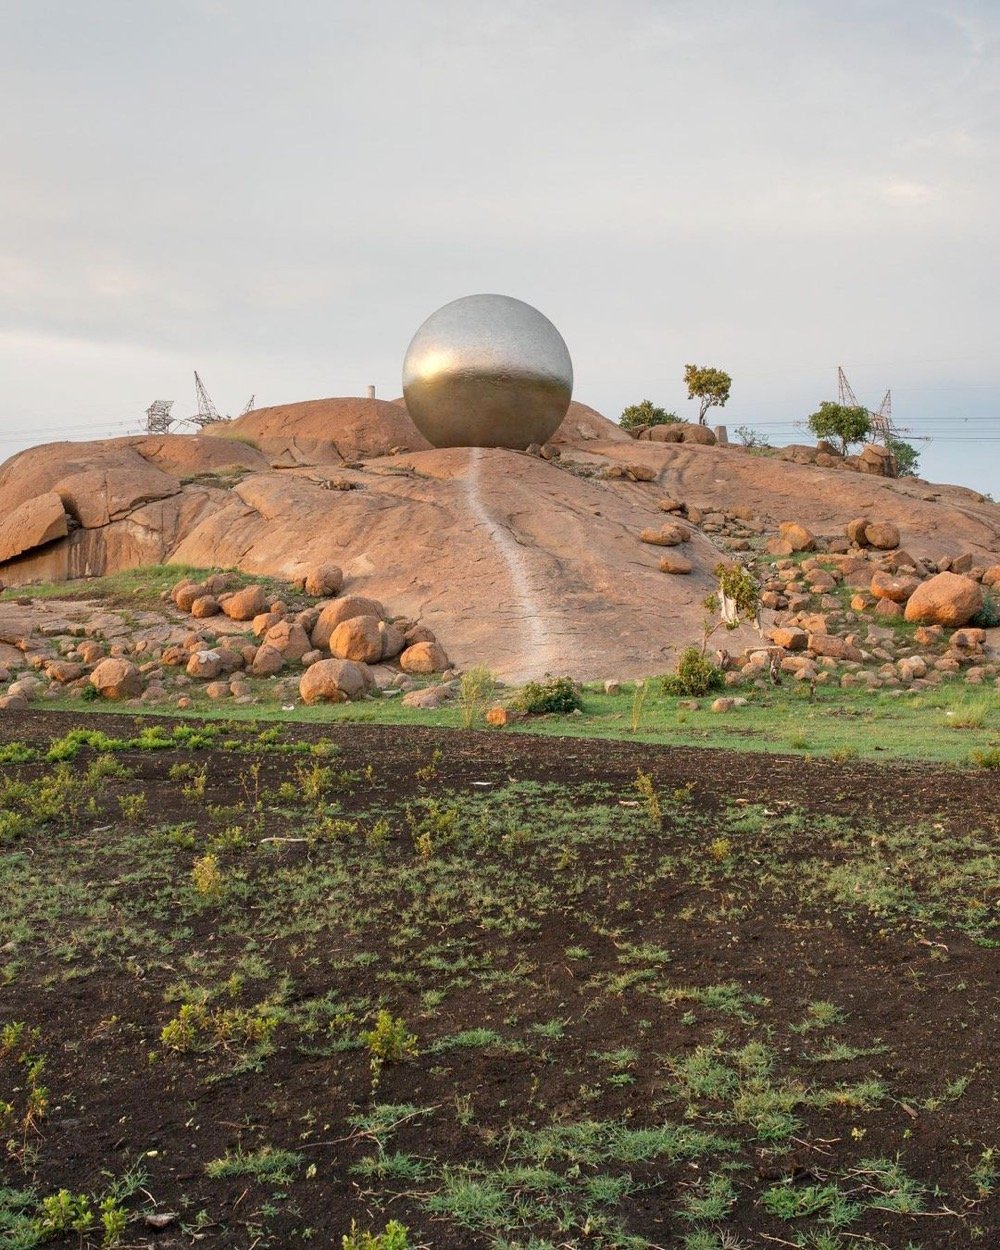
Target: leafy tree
(710,386)
(906,456)
(636,416)
(840,421)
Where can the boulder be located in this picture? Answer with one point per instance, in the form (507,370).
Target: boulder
(945,599)
(205,665)
(262,623)
(877,460)
(888,586)
(967,639)
(789,638)
(335,681)
(289,638)
(423,657)
(245,604)
(229,659)
(882,535)
(324,581)
(116,679)
(797,536)
(911,667)
(64,671)
(267,661)
(428,697)
(90,651)
(177,587)
(674,563)
(357,638)
(343,610)
(418,633)
(679,432)
(692,433)
(187,593)
(834,647)
(205,606)
(889,609)
(393,640)
(992,576)
(33,524)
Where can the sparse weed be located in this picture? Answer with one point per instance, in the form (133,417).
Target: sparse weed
(644,784)
(388,1041)
(475,689)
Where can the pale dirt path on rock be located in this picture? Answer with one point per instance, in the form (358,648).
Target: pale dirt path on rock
(535,617)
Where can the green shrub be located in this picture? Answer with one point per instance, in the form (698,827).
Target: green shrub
(394,1238)
(695,675)
(988,616)
(554,694)
(639,416)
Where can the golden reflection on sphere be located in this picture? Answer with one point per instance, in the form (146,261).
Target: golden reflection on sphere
(487,371)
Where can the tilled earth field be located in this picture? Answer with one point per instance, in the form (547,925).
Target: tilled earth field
(257,984)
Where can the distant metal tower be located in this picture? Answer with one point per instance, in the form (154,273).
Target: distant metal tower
(845,396)
(158,420)
(248,406)
(882,427)
(207,412)
(882,424)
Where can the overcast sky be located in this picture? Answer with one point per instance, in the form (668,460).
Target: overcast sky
(278,194)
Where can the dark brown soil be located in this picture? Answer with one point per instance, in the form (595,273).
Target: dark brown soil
(927,993)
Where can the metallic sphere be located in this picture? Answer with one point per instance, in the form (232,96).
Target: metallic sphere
(487,371)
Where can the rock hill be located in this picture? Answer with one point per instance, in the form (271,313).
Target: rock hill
(529,563)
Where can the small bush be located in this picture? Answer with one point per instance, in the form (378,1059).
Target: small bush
(695,675)
(988,616)
(475,690)
(395,1237)
(555,694)
(388,1041)
(640,416)
(989,758)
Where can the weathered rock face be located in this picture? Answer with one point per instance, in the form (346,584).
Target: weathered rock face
(946,599)
(32,523)
(515,562)
(328,431)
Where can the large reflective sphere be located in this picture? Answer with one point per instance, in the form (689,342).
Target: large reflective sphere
(487,371)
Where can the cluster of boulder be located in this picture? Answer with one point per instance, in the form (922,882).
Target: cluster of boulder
(873,458)
(333,650)
(820,636)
